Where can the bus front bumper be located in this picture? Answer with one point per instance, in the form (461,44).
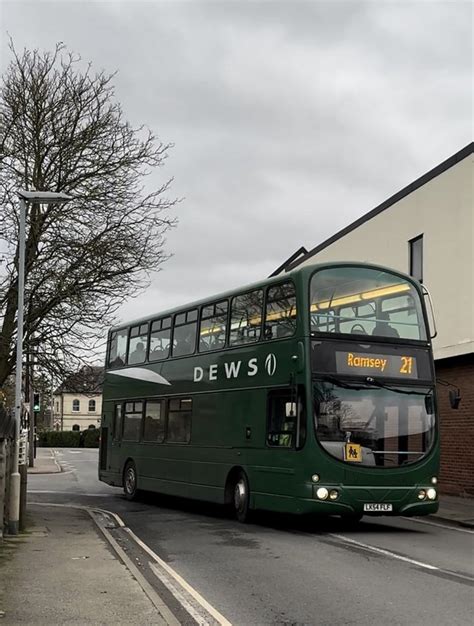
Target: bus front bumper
(368,500)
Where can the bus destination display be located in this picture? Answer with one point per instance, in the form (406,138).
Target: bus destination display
(370,364)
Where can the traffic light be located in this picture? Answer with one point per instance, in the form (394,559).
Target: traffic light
(36,402)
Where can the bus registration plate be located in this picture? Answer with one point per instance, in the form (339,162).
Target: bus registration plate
(373,506)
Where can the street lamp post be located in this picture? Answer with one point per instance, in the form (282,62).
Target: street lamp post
(39,197)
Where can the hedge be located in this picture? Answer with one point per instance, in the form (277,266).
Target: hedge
(69,438)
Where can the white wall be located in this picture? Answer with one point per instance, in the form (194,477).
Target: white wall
(441,210)
(83,417)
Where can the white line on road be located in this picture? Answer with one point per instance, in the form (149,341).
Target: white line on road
(74,493)
(195,594)
(428,523)
(400,557)
(393,555)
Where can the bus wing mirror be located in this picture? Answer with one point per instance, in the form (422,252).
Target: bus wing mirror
(430,309)
(454,398)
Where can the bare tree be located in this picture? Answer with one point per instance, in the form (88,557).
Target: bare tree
(61,129)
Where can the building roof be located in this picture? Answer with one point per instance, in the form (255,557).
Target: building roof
(419,182)
(89,380)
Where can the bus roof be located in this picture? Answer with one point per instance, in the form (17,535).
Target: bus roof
(305,270)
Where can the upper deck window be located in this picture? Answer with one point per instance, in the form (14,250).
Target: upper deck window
(246,318)
(138,344)
(365,301)
(160,339)
(213,326)
(118,347)
(185,331)
(280,316)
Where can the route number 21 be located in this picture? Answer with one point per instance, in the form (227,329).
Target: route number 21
(407,365)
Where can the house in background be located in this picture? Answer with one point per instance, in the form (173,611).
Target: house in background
(427,230)
(78,400)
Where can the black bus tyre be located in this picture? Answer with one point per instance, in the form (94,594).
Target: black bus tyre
(130,481)
(241,498)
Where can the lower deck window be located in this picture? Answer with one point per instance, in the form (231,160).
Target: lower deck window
(154,426)
(179,420)
(132,421)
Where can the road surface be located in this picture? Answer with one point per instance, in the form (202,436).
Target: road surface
(284,570)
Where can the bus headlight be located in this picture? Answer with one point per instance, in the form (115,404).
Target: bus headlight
(421,494)
(315,478)
(434,480)
(322,493)
(431,493)
(333,494)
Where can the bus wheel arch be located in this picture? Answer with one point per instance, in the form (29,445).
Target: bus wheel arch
(130,479)
(237,494)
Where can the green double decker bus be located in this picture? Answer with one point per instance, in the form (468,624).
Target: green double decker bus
(310,392)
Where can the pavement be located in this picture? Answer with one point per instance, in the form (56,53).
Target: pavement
(63,572)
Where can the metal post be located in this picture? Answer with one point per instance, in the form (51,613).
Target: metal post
(32,417)
(14,509)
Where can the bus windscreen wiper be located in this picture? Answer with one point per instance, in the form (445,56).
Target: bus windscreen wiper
(377,383)
(372,382)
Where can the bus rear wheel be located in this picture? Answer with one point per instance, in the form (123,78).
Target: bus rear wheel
(130,481)
(241,498)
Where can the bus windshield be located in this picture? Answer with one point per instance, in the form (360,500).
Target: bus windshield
(374,426)
(365,301)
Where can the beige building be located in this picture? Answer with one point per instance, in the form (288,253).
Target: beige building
(427,230)
(78,400)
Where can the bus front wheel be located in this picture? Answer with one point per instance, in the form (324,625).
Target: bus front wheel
(130,481)
(241,498)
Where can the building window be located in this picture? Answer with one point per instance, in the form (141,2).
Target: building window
(76,405)
(57,407)
(416,258)
(76,427)
(92,405)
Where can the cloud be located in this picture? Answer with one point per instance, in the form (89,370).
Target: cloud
(289,119)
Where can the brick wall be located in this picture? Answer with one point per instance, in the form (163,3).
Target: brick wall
(457,427)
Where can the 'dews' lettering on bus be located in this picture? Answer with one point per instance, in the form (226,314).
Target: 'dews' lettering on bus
(394,366)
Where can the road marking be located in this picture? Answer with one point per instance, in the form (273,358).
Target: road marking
(393,555)
(195,594)
(73,493)
(171,586)
(422,521)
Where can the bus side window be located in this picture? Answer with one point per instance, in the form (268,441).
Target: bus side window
(280,314)
(184,333)
(179,420)
(246,318)
(213,326)
(118,347)
(137,345)
(160,339)
(117,425)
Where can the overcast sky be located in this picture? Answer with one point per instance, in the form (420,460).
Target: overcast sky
(289,119)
